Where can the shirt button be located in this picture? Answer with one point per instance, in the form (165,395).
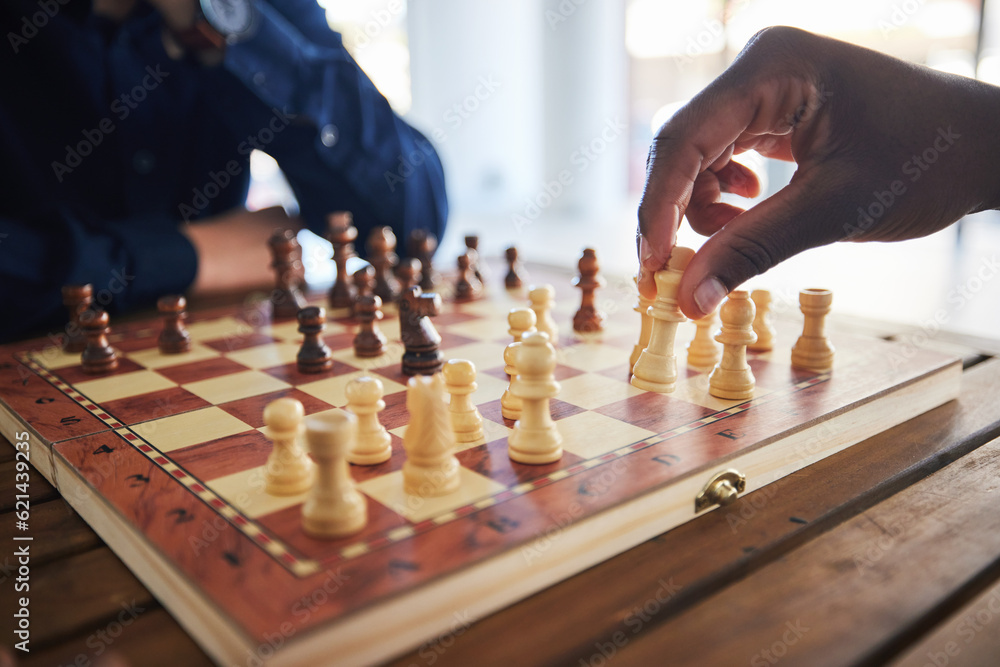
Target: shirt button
(259,79)
(143,162)
(328,135)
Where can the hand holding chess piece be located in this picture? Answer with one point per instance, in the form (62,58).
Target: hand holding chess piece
(656,368)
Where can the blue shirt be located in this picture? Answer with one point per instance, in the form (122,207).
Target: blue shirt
(107,145)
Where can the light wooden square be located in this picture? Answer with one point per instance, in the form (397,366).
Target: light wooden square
(246,491)
(695,390)
(333,390)
(392,353)
(482,355)
(592,357)
(388,490)
(488,388)
(155,359)
(594,391)
(53,357)
(590,434)
(491,431)
(266,356)
(113,387)
(190,428)
(224,327)
(235,386)
(482,329)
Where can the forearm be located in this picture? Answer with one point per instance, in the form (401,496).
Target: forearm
(345,144)
(130,263)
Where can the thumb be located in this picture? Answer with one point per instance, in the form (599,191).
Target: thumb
(796,218)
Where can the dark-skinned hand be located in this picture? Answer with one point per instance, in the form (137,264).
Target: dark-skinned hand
(886,150)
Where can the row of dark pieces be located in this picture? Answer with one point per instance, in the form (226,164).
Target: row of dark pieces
(89,329)
(386,275)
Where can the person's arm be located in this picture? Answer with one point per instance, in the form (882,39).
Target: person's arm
(296,91)
(886,150)
(129,262)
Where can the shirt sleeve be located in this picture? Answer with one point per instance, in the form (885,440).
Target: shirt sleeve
(130,263)
(344,148)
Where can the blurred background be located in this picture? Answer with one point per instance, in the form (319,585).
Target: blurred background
(543,112)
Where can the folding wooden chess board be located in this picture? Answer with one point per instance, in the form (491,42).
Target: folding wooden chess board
(164,459)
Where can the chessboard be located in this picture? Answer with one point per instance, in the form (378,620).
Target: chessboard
(164,458)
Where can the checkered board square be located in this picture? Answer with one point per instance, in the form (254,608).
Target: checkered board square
(175,446)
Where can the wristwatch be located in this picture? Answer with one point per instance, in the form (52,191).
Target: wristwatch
(217,23)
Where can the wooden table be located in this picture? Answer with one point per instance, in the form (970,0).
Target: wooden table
(888,552)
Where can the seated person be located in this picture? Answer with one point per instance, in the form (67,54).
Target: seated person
(127,128)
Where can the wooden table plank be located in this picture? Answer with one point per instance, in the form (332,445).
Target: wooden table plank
(75,595)
(670,573)
(969,637)
(857,594)
(57,531)
(151,639)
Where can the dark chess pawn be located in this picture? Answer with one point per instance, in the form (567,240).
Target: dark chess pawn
(314,355)
(174,338)
(515,270)
(478,267)
(588,318)
(382,256)
(409,274)
(467,286)
(342,235)
(98,356)
(286,254)
(77,299)
(422,244)
(420,338)
(369,341)
(364,284)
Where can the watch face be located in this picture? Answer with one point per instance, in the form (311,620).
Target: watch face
(230,17)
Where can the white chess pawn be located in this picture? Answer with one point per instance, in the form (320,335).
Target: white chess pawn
(703,352)
(364,399)
(288,470)
(642,305)
(543,299)
(535,439)
(431,468)
(762,321)
(732,378)
(334,507)
(521,321)
(460,382)
(813,351)
(656,368)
